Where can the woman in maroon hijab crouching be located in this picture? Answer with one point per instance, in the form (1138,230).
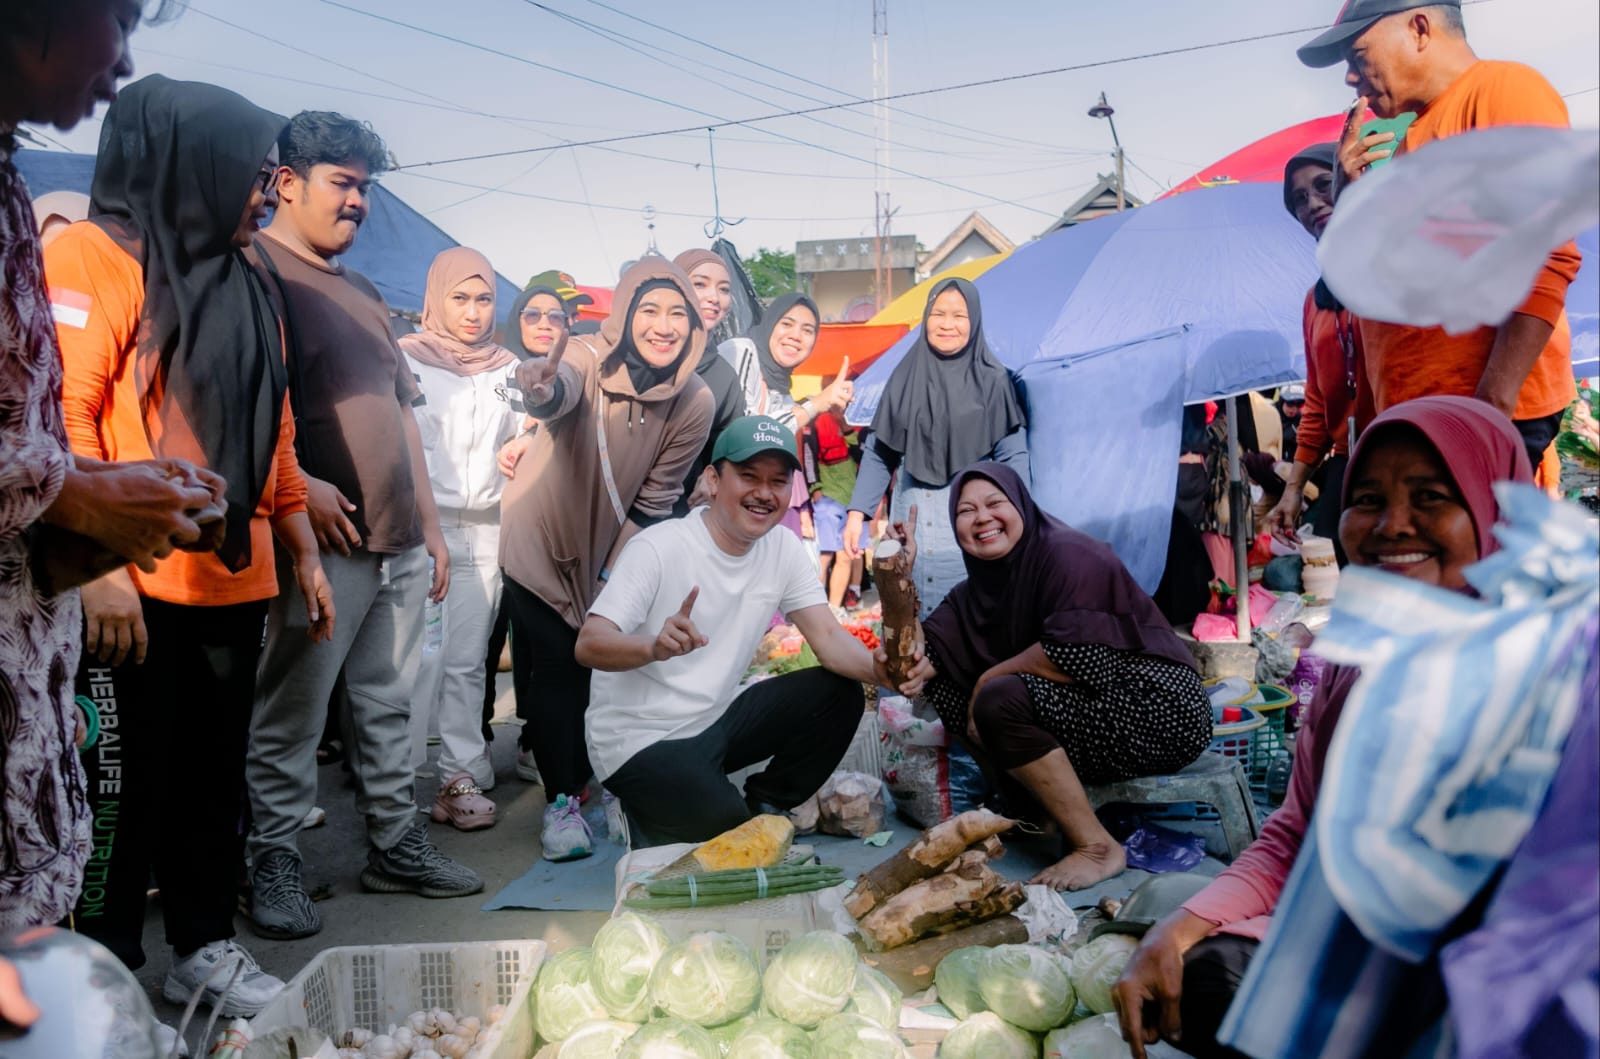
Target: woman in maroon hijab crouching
(1057,667)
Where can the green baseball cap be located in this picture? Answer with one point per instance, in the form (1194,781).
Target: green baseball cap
(749,436)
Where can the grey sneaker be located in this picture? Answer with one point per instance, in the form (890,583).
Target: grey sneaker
(415,866)
(280,908)
(210,969)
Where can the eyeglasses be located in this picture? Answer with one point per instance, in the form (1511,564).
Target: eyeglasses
(268,179)
(555,316)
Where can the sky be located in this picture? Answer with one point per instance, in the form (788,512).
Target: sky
(448,81)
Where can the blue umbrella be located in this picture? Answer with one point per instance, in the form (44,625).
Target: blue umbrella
(1115,324)
(1583,308)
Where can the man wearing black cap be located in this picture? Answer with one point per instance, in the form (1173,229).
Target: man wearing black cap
(669,639)
(1321,446)
(1403,56)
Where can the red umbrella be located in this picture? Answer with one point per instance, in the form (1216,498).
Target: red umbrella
(1263,161)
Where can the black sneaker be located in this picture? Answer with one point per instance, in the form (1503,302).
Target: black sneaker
(280,908)
(415,866)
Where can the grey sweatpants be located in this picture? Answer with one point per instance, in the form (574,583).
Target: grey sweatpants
(377,639)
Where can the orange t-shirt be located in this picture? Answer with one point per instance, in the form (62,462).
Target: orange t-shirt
(97,293)
(1406,362)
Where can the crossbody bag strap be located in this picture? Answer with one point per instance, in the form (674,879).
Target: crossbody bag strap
(605,454)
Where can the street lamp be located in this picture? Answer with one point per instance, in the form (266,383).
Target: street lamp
(1103,109)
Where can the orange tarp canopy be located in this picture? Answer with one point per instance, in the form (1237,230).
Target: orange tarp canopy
(861,344)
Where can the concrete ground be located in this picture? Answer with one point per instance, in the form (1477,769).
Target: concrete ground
(335,853)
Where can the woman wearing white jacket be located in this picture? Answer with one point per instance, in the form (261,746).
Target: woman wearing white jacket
(464,420)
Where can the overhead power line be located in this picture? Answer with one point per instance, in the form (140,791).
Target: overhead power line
(943,126)
(989,138)
(824,108)
(691,214)
(717,120)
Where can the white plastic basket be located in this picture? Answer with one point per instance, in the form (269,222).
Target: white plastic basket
(376,986)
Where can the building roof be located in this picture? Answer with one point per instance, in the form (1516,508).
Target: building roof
(1098,201)
(975,224)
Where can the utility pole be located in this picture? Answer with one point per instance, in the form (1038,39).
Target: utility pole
(883,279)
(1103,109)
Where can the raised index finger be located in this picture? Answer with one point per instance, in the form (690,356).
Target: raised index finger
(688,601)
(844,368)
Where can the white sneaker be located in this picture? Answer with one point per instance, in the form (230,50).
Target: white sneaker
(167,1038)
(566,834)
(210,967)
(315,818)
(527,769)
(616,819)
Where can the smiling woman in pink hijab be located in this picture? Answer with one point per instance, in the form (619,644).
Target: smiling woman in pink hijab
(464,423)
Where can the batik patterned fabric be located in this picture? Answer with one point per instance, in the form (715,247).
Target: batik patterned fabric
(44,814)
(1441,765)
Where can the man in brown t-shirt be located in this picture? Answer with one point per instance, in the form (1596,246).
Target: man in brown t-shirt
(373,512)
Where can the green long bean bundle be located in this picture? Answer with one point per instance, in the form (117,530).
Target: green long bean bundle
(734,886)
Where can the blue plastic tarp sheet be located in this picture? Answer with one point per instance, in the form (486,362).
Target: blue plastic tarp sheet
(394,249)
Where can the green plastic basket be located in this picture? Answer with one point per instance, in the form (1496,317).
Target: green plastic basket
(1269,738)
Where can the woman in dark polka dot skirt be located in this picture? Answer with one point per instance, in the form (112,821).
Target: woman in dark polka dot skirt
(1056,667)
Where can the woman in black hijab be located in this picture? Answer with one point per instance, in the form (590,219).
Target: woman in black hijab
(947,405)
(764,361)
(537,319)
(180,354)
(1055,666)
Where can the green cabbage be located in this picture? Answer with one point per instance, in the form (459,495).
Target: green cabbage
(1096,1038)
(855,1037)
(766,1037)
(670,1039)
(875,997)
(1026,986)
(708,979)
(563,997)
(599,1039)
(956,979)
(1096,968)
(811,978)
(988,1036)
(625,952)
(725,1033)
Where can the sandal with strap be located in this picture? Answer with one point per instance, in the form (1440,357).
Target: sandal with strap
(461,804)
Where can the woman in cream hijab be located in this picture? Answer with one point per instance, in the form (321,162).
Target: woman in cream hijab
(464,422)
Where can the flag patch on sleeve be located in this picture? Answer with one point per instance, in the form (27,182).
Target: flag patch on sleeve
(69,307)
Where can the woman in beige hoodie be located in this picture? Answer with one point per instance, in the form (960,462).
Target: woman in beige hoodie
(621,416)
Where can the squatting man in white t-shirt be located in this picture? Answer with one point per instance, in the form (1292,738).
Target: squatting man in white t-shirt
(671,636)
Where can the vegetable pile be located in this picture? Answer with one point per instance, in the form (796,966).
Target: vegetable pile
(1007,996)
(705,998)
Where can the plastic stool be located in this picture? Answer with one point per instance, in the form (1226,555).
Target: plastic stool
(1211,780)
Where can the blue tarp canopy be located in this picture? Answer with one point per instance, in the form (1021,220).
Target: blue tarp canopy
(1228,263)
(394,249)
(1114,325)
(1583,308)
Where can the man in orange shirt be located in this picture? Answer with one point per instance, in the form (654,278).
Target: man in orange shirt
(171,347)
(1404,56)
